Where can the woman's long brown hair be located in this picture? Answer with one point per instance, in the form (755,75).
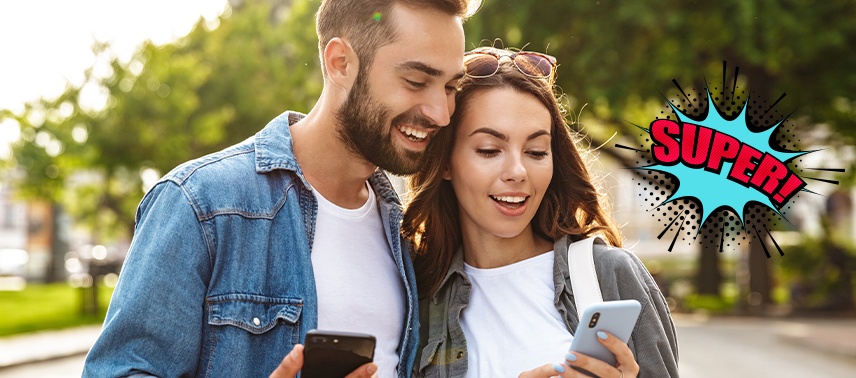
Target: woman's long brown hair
(572,204)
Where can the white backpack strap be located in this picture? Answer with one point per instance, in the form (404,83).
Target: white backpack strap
(584,281)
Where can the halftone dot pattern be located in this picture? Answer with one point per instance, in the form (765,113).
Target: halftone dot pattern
(760,219)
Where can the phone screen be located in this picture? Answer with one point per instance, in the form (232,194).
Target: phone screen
(336,354)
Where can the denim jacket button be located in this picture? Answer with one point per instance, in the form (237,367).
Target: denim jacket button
(256,321)
(460,355)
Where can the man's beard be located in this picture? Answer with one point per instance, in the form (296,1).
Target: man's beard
(365,128)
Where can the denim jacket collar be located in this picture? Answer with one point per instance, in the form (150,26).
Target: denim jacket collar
(275,150)
(275,147)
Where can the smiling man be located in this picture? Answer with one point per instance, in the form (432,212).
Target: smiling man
(238,254)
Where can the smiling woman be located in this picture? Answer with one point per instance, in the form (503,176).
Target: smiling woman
(501,195)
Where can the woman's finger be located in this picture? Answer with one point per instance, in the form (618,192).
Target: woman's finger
(545,371)
(624,357)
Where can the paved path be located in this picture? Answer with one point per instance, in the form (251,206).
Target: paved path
(47,345)
(750,347)
(709,347)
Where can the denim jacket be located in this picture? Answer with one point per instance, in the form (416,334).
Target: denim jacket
(621,276)
(218,281)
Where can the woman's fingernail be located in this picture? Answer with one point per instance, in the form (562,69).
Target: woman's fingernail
(571,357)
(601,334)
(558,368)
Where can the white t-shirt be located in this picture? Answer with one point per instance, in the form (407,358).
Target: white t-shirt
(358,283)
(511,323)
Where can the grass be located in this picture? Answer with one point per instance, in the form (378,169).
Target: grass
(47,306)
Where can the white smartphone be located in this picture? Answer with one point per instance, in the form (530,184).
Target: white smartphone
(615,317)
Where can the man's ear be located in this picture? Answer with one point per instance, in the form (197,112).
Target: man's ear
(341,63)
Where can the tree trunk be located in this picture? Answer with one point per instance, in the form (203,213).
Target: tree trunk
(708,278)
(760,279)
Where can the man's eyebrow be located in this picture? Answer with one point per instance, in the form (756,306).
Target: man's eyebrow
(419,66)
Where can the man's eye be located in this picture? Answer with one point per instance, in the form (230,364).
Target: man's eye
(415,84)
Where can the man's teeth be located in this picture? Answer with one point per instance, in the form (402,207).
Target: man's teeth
(412,133)
(509,199)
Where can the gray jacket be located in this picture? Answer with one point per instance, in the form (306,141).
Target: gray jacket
(443,347)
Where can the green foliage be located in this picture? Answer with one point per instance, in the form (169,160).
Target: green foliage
(821,271)
(168,104)
(41,307)
(616,55)
(710,303)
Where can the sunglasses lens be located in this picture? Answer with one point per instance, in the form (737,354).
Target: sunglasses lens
(481,65)
(533,64)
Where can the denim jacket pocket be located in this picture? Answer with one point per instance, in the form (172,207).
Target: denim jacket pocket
(254,331)
(253,313)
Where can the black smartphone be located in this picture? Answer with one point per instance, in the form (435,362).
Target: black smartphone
(330,354)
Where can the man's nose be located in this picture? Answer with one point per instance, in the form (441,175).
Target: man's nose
(439,107)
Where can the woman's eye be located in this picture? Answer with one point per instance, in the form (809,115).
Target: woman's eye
(487,152)
(539,154)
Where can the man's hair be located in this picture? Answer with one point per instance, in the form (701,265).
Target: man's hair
(572,204)
(368,24)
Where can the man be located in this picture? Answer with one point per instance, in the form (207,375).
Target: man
(238,254)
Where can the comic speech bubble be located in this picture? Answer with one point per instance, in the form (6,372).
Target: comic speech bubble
(720,163)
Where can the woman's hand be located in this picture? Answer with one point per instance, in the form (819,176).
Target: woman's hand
(626,366)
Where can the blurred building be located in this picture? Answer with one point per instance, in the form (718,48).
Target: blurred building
(13,216)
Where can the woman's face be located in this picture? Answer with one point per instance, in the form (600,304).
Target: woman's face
(502,163)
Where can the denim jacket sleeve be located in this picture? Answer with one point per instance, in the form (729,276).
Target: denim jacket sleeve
(154,320)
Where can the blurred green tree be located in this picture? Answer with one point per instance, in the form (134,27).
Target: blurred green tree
(618,56)
(170,103)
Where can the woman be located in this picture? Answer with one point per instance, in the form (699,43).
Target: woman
(506,188)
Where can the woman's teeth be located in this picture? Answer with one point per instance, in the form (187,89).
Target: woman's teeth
(509,199)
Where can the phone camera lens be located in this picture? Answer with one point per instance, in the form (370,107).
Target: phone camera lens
(594,318)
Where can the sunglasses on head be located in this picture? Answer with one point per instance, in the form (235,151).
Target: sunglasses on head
(484,62)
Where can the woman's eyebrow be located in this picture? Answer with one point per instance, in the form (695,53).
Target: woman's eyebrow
(537,134)
(499,135)
(491,132)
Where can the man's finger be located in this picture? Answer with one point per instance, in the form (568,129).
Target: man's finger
(365,371)
(290,365)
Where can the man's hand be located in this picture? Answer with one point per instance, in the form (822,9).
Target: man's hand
(293,362)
